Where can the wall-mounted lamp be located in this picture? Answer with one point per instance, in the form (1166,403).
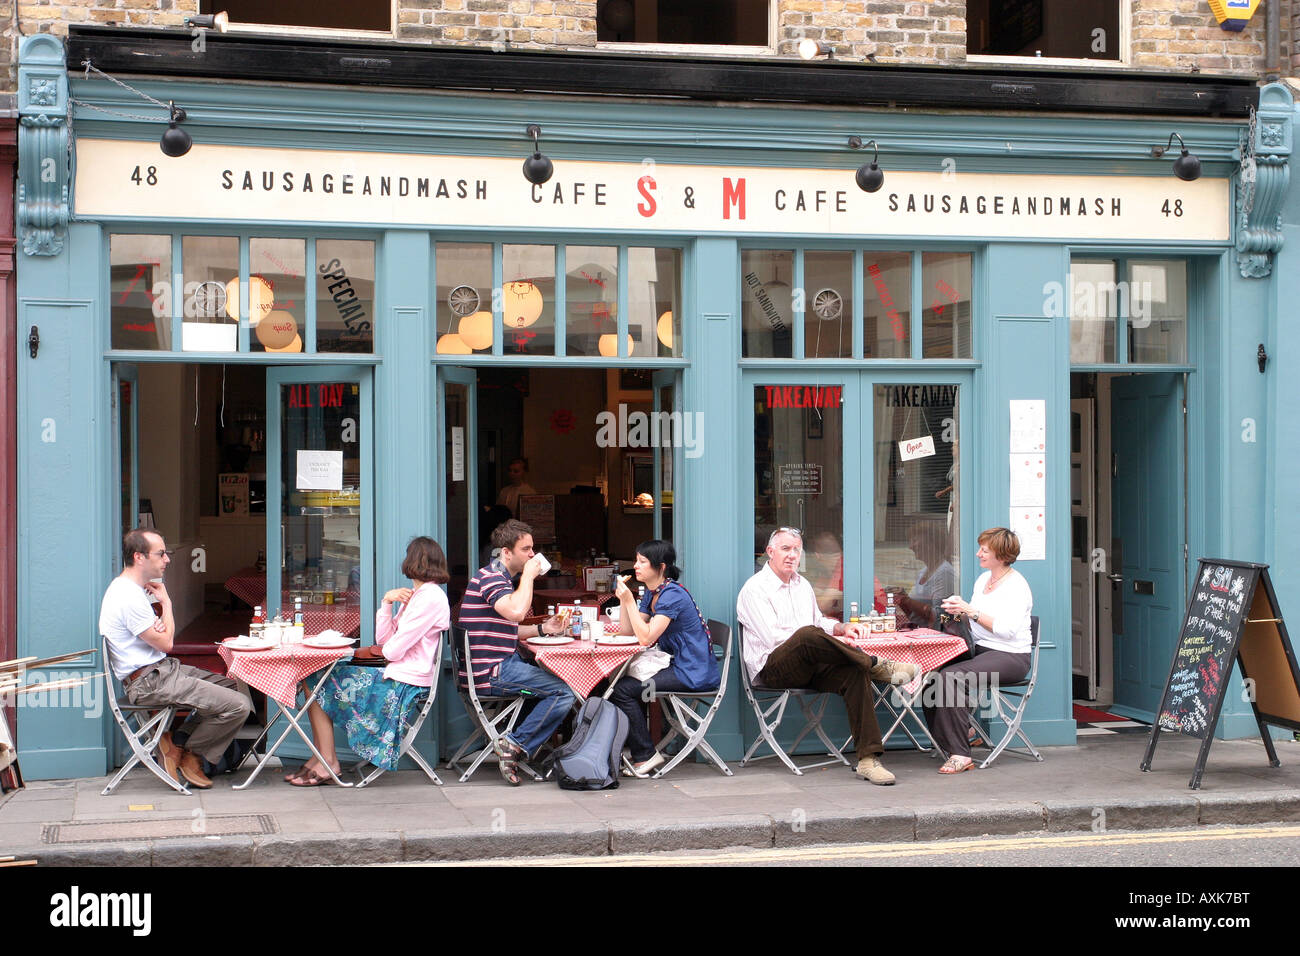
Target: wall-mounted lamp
(1186,167)
(537,168)
(810,49)
(210,21)
(869,177)
(1261,356)
(175,141)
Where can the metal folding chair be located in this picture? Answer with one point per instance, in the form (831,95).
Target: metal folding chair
(681,709)
(769,707)
(144,737)
(1007,702)
(408,740)
(494,716)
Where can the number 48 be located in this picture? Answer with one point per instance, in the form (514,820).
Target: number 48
(151,176)
(1176,209)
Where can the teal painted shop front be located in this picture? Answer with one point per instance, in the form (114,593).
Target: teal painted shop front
(1119,336)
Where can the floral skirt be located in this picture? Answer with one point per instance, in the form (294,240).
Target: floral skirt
(375,712)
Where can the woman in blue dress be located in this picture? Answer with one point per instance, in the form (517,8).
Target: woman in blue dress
(668,616)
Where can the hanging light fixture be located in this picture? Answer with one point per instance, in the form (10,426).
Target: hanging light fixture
(869,177)
(175,141)
(607,345)
(452,344)
(1187,166)
(665,329)
(475,330)
(522,304)
(294,346)
(537,168)
(278,330)
(261,299)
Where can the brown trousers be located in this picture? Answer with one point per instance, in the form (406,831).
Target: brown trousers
(218,707)
(812,658)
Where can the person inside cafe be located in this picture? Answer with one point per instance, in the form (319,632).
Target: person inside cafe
(139,640)
(491,612)
(517,473)
(998,613)
(667,616)
(789,643)
(376,707)
(936,580)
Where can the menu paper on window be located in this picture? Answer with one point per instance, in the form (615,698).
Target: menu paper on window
(457,453)
(1028,425)
(319,470)
(1028,480)
(1028,472)
(1030,526)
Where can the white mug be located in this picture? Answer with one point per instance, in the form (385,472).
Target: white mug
(545,565)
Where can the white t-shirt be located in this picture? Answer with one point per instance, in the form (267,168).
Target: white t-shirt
(124,615)
(1010,605)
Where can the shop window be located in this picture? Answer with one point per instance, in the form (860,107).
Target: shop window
(1141,304)
(719,23)
(654,302)
(1081,30)
(463,309)
(799,482)
(916,508)
(767,303)
(591,300)
(277,291)
(887,307)
(345,295)
(327,14)
(946,288)
(140,285)
(827,301)
(211,294)
(528,299)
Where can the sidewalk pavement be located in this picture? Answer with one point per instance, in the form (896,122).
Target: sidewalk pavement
(1089,787)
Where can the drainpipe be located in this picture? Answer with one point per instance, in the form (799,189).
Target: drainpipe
(1272,41)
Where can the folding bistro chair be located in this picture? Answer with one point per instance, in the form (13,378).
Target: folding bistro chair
(681,709)
(494,716)
(146,734)
(413,729)
(769,707)
(1008,703)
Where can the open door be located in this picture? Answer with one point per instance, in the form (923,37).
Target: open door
(1149,495)
(460,456)
(1083,536)
(669,448)
(126,452)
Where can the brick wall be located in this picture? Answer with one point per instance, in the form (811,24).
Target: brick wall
(888,31)
(526,23)
(1184,35)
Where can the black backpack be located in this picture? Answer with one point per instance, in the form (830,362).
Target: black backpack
(589,761)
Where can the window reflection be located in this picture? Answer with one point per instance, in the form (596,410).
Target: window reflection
(528,299)
(140,287)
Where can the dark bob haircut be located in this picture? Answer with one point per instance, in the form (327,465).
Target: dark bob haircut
(425,561)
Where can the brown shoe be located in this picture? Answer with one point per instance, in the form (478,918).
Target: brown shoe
(192,771)
(170,756)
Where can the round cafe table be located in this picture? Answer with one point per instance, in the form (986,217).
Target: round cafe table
(583,664)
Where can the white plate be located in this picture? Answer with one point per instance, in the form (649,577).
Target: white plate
(247,644)
(617,639)
(326,643)
(549,639)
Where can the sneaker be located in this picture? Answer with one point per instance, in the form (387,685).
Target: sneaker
(871,769)
(648,766)
(894,672)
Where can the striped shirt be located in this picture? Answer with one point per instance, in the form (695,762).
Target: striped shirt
(491,637)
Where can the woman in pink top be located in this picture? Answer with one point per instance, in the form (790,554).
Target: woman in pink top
(376,708)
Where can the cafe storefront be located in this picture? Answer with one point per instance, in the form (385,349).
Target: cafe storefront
(338,318)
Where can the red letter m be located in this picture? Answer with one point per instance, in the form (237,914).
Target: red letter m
(733,194)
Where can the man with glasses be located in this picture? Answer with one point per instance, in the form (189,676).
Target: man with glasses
(138,641)
(790,643)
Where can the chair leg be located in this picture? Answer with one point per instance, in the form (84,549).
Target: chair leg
(679,714)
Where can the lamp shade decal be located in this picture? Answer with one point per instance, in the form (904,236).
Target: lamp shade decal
(452,344)
(665,329)
(475,330)
(261,300)
(277,330)
(522,304)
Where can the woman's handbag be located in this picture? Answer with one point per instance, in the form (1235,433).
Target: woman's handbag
(649,662)
(958,626)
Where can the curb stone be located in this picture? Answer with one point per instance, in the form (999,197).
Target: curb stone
(754,830)
(881,826)
(479,844)
(956,822)
(234,850)
(1276,807)
(324,849)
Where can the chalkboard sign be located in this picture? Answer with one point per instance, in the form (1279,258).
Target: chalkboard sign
(1232,615)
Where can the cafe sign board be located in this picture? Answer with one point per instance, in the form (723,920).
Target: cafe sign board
(213,183)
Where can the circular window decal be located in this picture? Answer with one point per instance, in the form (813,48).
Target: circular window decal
(463,300)
(827,304)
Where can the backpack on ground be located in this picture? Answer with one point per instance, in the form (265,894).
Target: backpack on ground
(589,761)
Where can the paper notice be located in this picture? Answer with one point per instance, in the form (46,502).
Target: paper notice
(457,453)
(910,448)
(1030,525)
(319,470)
(1028,480)
(1029,425)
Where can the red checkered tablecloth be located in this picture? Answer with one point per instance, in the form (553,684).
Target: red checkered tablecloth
(278,671)
(927,649)
(583,664)
(249,586)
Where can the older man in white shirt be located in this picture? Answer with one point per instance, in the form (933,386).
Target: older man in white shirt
(790,643)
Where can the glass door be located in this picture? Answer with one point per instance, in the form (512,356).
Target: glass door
(126,451)
(676,435)
(319,515)
(460,484)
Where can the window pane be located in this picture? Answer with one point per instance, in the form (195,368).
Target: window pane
(277,287)
(1157,311)
(945,323)
(828,304)
(917,552)
(1093,310)
(528,299)
(211,265)
(766,314)
(464,304)
(1081,29)
(719,22)
(141,288)
(591,300)
(654,295)
(887,306)
(798,479)
(335,14)
(345,295)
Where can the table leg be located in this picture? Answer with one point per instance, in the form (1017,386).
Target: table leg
(294,726)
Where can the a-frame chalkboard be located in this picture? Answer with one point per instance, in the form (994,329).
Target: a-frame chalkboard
(1232,616)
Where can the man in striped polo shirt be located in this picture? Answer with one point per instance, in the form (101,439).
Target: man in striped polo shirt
(491,611)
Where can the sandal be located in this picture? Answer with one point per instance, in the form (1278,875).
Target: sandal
(973,738)
(310,779)
(508,754)
(954,765)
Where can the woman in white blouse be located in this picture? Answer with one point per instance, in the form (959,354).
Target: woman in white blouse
(998,612)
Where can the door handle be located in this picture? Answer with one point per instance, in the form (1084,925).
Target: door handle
(1116,578)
